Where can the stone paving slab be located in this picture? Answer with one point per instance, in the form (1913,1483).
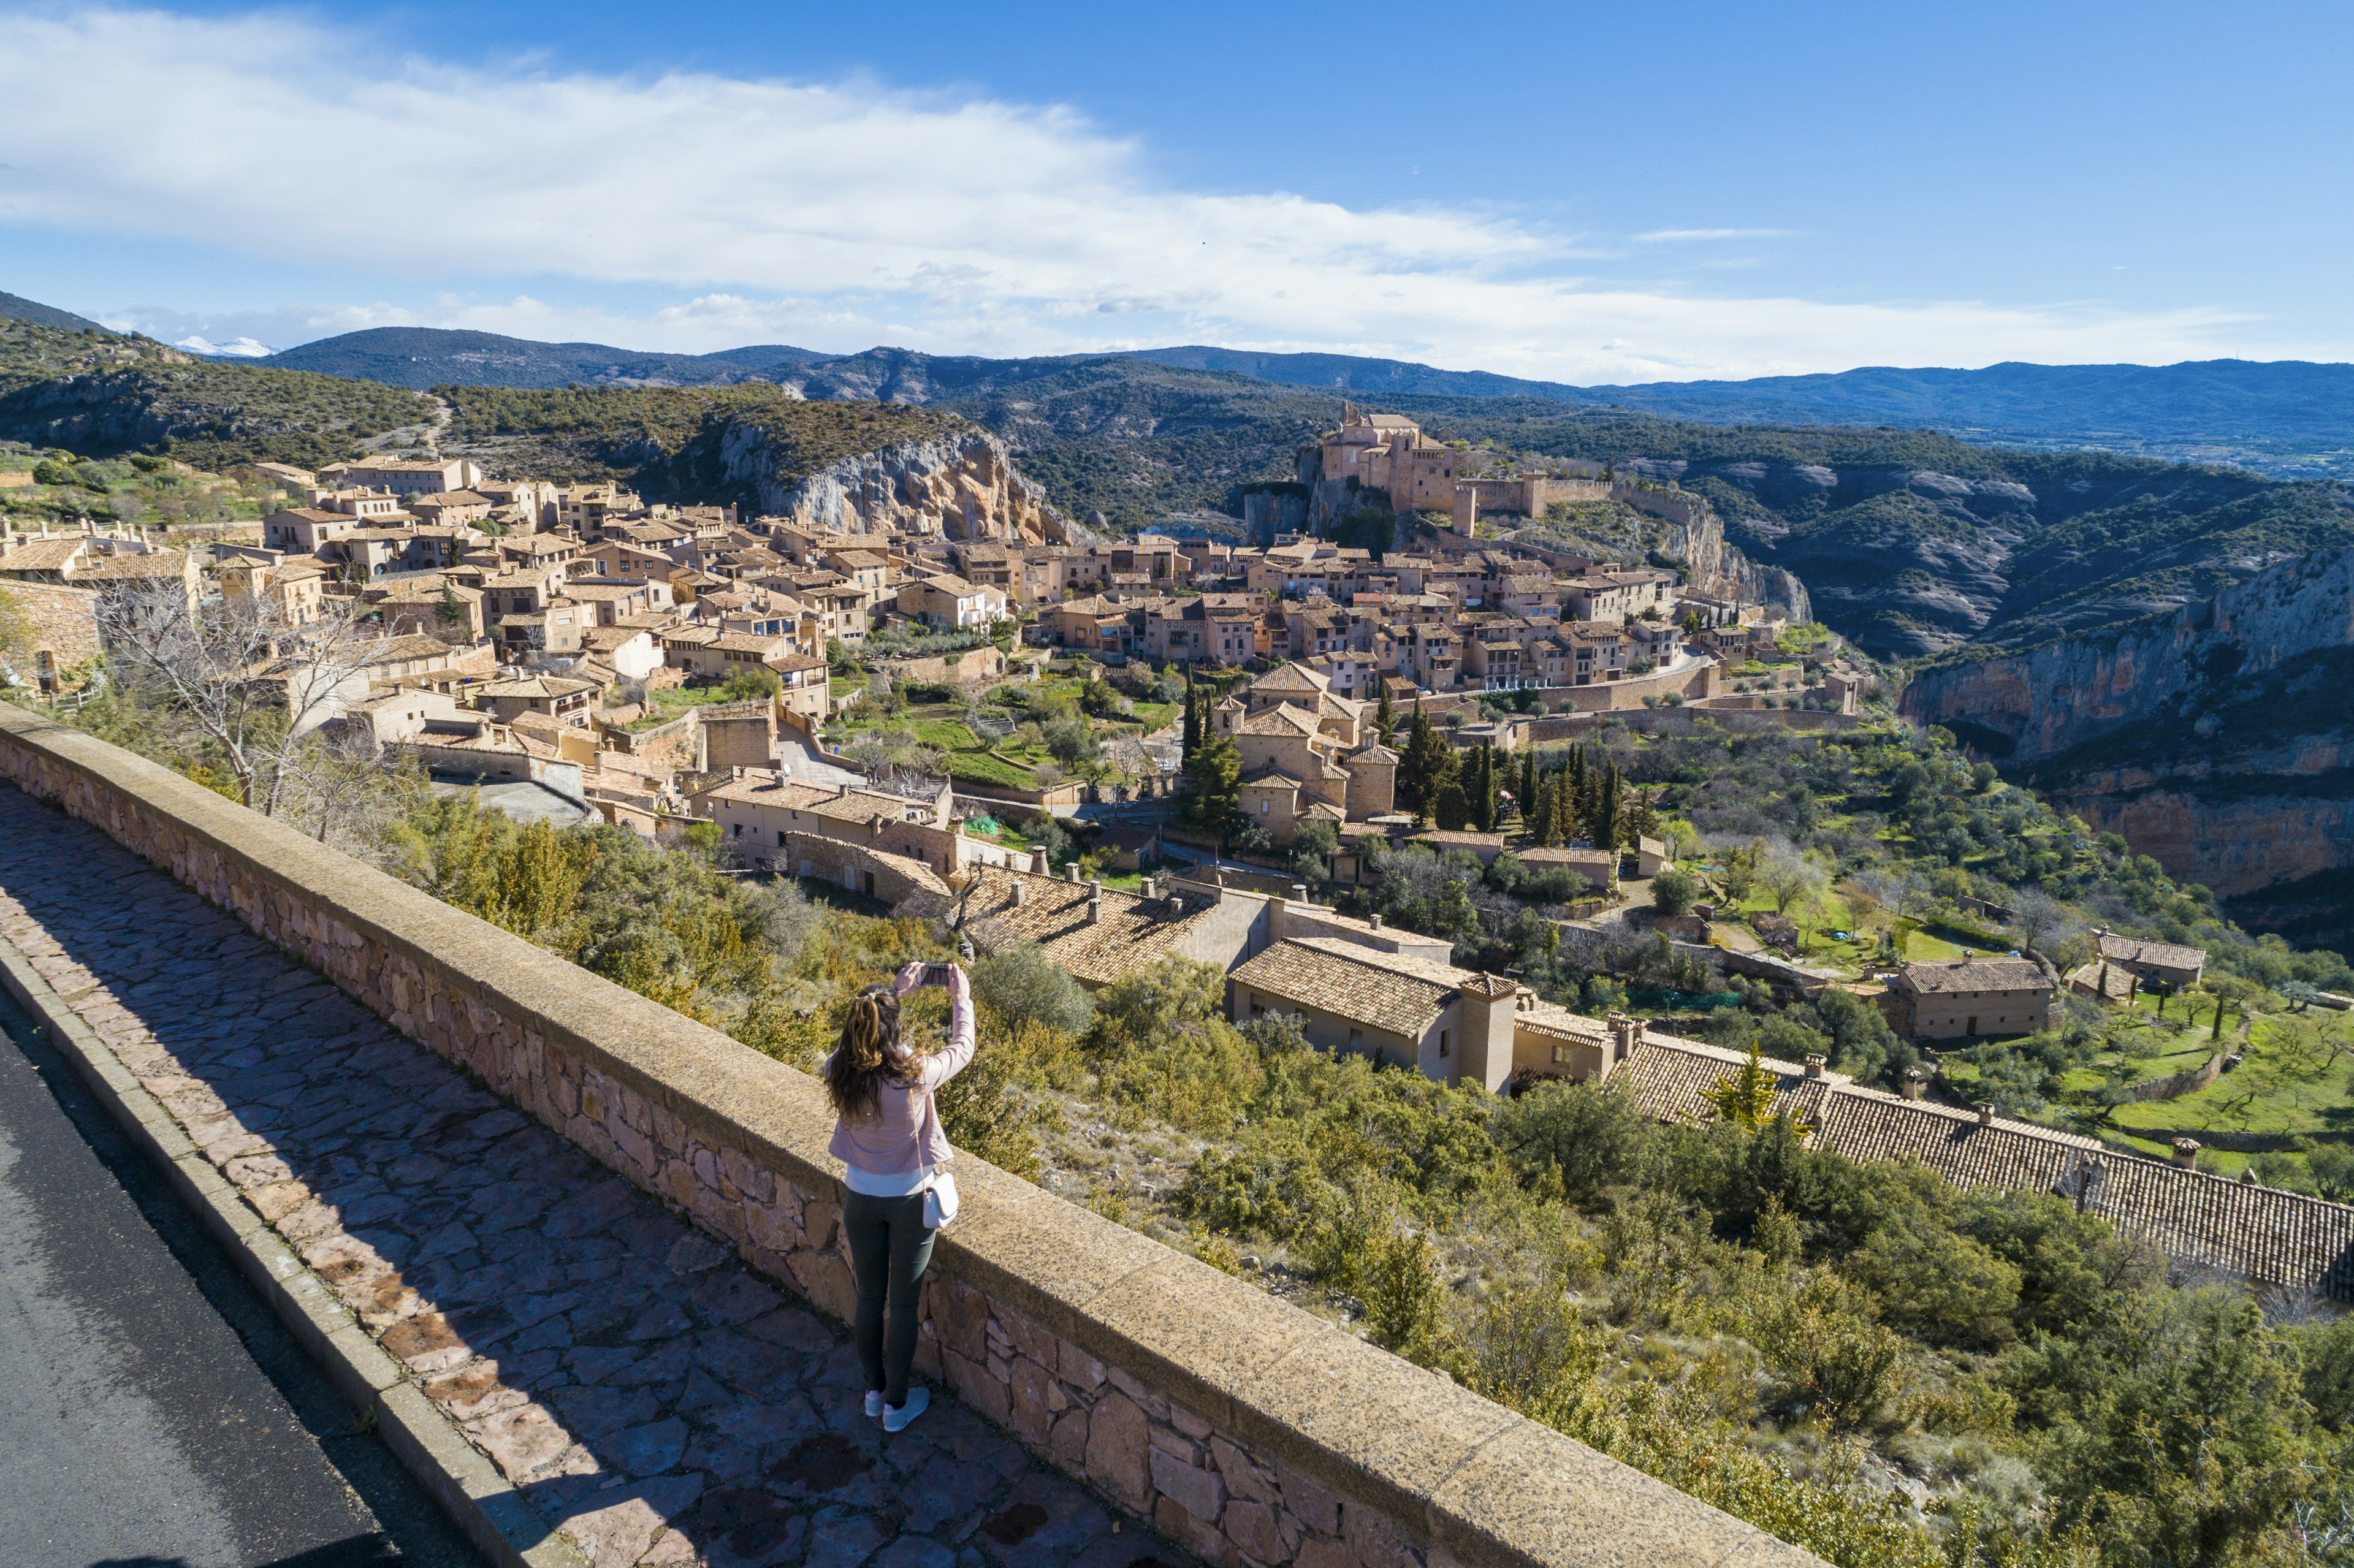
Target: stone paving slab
(654,1400)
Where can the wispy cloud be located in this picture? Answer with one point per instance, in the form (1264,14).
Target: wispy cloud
(846,212)
(1673,236)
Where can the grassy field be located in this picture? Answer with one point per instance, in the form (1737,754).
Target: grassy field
(2265,1095)
(673,701)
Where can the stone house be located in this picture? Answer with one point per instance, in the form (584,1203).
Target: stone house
(557,697)
(950,603)
(2155,963)
(1969,998)
(1306,753)
(1452,1025)
(630,652)
(759,813)
(295,589)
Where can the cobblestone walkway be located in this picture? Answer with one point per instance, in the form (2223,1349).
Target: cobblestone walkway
(658,1403)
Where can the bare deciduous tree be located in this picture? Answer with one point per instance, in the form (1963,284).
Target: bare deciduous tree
(236,674)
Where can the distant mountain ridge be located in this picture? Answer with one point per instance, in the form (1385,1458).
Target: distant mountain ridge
(2288,419)
(422,357)
(17,308)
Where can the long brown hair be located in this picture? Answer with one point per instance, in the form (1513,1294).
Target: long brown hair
(868,1051)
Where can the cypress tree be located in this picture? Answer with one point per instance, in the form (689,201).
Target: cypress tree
(1192,741)
(1605,815)
(1385,720)
(1528,801)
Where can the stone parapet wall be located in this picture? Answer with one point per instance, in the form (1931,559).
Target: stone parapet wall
(1253,1433)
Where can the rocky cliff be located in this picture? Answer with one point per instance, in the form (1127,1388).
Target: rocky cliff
(1695,536)
(2218,739)
(2189,665)
(960,484)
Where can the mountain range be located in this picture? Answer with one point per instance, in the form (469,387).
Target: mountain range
(2080,577)
(2288,419)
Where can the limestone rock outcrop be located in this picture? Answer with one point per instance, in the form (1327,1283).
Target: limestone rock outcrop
(961,485)
(2218,739)
(2045,700)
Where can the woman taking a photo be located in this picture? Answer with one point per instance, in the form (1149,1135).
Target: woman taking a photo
(888,1133)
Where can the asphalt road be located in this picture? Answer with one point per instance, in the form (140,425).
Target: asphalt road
(153,1414)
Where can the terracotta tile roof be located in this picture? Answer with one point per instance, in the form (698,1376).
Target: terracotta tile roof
(1280,719)
(1945,979)
(1128,934)
(819,800)
(398,649)
(1670,1079)
(1335,977)
(132,567)
(536,687)
(42,554)
(1579,859)
(2099,980)
(2120,949)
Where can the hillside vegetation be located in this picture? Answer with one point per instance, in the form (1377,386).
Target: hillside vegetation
(426,357)
(102,395)
(1910,542)
(670,442)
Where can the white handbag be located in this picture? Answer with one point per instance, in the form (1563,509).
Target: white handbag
(939,1201)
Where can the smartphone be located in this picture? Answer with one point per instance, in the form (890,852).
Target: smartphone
(943,975)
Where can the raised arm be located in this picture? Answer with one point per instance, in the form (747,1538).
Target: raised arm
(950,1059)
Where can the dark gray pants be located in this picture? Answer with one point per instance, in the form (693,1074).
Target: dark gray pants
(889,1250)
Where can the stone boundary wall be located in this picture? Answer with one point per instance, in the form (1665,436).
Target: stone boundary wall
(1251,1432)
(2186,1082)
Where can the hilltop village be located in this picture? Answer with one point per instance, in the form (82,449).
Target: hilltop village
(1456,895)
(1123,750)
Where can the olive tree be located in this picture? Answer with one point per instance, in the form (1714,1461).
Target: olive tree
(234,678)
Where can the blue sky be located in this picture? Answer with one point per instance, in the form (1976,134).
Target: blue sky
(1583,193)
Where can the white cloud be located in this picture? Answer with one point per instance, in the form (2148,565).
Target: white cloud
(1672,236)
(843,213)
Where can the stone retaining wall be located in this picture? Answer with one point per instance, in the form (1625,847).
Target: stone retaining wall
(1255,1433)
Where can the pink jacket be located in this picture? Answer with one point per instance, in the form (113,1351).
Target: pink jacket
(904,1134)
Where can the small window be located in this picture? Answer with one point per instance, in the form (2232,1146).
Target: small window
(1442,1041)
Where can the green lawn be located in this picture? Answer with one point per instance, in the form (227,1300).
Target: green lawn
(2255,1098)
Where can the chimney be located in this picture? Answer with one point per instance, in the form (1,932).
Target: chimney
(1095,901)
(2186,1153)
(1374,919)
(1021,892)
(1985,1113)
(1299,893)
(1916,1083)
(1626,1034)
(1071,872)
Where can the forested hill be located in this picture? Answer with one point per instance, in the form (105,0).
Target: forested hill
(16,307)
(424,357)
(2288,415)
(2288,419)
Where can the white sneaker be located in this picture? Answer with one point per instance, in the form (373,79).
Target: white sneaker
(874,1402)
(896,1418)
